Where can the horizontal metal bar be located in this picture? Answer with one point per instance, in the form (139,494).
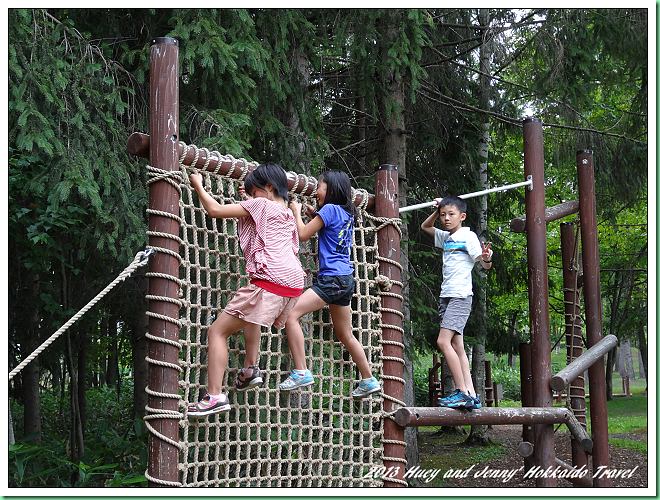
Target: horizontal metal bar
(528,182)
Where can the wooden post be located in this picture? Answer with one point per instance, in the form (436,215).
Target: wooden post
(539,309)
(526,377)
(593,312)
(163,197)
(387,205)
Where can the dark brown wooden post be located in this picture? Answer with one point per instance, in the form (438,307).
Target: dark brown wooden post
(526,398)
(573,334)
(539,313)
(163,197)
(387,205)
(593,312)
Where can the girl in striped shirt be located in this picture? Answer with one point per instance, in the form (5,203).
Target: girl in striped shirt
(268,236)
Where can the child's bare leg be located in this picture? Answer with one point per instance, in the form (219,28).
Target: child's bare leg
(218,353)
(459,348)
(252,339)
(451,357)
(341,320)
(306,304)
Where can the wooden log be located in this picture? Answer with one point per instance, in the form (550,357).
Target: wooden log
(583,363)
(422,416)
(526,449)
(519,224)
(138,145)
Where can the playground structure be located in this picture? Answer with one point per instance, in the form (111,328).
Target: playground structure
(375,434)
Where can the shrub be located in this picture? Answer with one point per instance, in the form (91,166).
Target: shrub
(509,377)
(115,445)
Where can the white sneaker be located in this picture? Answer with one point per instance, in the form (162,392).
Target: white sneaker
(296,381)
(366,387)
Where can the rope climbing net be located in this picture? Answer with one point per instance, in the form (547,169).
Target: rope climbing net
(319,436)
(573,329)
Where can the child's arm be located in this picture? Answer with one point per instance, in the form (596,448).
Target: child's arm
(305,232)
(486,257)
(212,207)
(427,225)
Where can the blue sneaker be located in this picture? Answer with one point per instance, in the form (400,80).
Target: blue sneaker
(458,399)
(475,401)
(366,387)
(447,399)
(296,381)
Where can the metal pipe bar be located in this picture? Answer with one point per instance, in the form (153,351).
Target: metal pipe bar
(539,309)
(519,224)
(138,145)
(584,362)
(528,182)
(389,242)
(422,416)
(593,312)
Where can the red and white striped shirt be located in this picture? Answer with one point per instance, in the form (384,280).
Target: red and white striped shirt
(269,240)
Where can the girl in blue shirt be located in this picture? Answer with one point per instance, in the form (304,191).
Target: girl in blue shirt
(335,284)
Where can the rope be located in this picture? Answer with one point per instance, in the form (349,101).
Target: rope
(141,258)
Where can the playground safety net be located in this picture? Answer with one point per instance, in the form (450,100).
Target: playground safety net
(317,436)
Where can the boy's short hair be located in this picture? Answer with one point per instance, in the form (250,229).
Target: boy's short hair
(454,200)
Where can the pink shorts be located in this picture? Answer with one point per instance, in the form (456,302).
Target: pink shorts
(260,307)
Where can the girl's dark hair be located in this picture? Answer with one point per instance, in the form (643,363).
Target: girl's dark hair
(268,173)
(339,190)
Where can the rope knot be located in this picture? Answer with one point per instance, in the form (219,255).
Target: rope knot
(384,283)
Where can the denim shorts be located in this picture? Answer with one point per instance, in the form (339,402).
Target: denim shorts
(336,290)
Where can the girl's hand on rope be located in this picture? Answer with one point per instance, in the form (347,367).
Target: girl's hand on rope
(295,208)
(311,213)
(242,193)
(196,181)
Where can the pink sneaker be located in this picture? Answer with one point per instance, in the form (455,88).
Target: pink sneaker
(209,405)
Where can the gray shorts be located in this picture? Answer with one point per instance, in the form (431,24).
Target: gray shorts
(454,312)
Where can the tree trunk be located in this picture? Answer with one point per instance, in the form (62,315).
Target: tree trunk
(112,371)
(608,373)
(31,399)
(139,327)
(12,440)
(641,345)
(478,433)
(296,149)
(30,374)
(103,356)
(82,379)
(393,152)
(76,436)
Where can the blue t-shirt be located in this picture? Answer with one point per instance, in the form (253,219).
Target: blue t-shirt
(335,241)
